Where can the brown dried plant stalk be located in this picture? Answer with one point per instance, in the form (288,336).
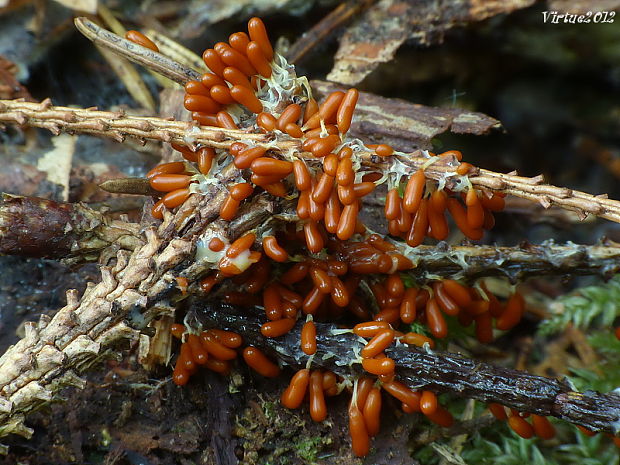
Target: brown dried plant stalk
(136,289)
(118,126)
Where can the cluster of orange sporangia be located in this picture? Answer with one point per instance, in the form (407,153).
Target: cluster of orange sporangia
(327,182)
(538,426)
(331,289)
(213,349)
(330,276)
(365,404)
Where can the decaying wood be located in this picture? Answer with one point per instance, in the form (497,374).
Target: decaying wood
(132,292)
(317,33)
(372,40)
(376,36)
(10,87)
(171,105)
(419,369)
(404,125)
(35,227)
(75,233)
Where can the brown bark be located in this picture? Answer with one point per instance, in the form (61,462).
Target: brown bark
(35,227)
(404,125)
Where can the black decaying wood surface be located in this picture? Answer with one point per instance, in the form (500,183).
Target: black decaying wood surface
(419,369)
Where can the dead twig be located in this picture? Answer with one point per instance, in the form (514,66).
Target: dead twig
(317,33)
(440,372)
(35,227)
(117,126)
(515,263)
(143,56)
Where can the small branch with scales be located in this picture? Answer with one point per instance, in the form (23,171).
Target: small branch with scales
(118,126)
(132,292)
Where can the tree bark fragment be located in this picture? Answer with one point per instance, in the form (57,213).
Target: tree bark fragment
(36,227)
(404,125)
(376,36)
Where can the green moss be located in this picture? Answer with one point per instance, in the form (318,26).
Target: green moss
(587,307)
(498,445)
(106,438)
(269,409)
(309,448)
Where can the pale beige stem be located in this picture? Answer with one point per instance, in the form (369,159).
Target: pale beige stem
(118,126)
